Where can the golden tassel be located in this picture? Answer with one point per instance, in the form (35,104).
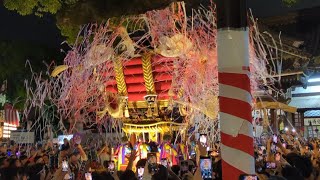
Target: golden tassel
(155,112)
(149,112)
(126,112)
(170,104)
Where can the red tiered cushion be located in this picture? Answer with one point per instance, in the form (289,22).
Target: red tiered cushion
(162,68)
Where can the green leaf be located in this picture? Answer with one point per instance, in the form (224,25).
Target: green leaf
(290,3)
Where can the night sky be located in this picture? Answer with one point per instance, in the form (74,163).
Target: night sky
(15,27)
(266,8)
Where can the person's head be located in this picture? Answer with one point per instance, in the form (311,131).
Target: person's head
(39,146)
(74,157)
(106,149)
(38,160)
(33,151)
(303,164)
(140,138)
(191,165)
(175,169)
(147,140)
(167,138)
(124,139)
(21,174)
(161,174)
(4,162)
(46,159)
(278,156)
(128,175)
(23,159)
(140,166)
(290,172)
(65,141)
(18,163)
(15,163)
(141,163)
(109,165)
(152,159)
(140,171)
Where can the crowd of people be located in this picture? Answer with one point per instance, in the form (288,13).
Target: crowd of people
(282,156)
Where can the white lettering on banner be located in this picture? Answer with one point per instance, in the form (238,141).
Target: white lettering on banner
(314,121)
(22,137)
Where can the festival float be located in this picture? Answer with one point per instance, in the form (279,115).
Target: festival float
(158,79)
(150,75)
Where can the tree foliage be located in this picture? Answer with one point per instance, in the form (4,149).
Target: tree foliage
(72,14)
(13,57)
(290,3)
(37,7)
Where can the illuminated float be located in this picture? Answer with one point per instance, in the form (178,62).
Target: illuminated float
(161,78)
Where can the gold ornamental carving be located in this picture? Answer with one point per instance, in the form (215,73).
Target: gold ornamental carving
(147,73)
(120,79)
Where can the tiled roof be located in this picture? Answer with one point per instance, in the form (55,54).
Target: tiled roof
(305,102)
(312,113)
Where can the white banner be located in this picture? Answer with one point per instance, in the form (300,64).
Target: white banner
(22,137)
(61,138)
(314,121)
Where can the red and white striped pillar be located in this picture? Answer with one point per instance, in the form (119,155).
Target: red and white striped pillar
(234,90)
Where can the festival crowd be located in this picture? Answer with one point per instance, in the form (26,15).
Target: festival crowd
(283,156)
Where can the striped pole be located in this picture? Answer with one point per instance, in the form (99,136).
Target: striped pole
(234,90)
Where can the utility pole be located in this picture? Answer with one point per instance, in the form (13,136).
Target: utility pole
(234,90)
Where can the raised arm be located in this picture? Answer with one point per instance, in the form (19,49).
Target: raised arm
(101,150)
(172,174)
(132,158)
(83,155)
(270,156)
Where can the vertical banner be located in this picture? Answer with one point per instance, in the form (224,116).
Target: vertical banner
(234,90)
(11,115)
(1,123)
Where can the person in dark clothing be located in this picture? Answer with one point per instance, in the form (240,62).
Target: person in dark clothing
(161,174)
(153,146)
(128,175)
(302,164)
(217,170)
(292,173)
(65,145)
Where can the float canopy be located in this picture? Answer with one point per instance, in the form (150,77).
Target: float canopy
(275,105)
